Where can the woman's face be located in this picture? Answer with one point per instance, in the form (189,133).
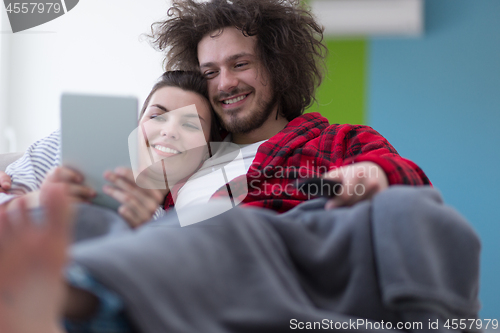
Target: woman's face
(176,124)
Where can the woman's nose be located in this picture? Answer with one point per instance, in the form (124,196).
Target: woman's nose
(170,131)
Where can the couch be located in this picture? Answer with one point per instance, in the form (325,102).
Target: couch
(8,158)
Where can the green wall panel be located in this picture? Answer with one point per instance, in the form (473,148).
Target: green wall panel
(342,94)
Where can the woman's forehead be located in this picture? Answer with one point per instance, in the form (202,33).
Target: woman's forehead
(174,98)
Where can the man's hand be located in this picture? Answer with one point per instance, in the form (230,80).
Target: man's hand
(360,181)
(5,182)
(72,183)
(138,204)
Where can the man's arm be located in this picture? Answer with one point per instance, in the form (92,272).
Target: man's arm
(364,144)
(371,165)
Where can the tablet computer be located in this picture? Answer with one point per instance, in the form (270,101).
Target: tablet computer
(94,137)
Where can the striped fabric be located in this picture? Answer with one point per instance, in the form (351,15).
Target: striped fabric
(28,172)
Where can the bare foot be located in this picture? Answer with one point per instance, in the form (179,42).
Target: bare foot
(31,262)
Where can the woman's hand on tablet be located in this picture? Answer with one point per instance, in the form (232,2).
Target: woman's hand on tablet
(72,182)
(138,204)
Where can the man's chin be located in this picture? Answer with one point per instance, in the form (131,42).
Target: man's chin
(245,120)
(228,112)
(233,121)
(239,126)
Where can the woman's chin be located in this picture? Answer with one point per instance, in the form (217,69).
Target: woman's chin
(170,171)
(151,179)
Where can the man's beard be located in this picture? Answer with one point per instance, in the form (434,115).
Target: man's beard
(255,119)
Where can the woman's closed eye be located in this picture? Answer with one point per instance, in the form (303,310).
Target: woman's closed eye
(158,117)
(191,126)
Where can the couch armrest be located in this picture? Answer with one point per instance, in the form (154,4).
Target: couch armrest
(8,158)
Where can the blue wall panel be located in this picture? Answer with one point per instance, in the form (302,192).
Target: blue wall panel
(437,100)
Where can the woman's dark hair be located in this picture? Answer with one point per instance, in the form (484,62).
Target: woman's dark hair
(189,81)
(289,42)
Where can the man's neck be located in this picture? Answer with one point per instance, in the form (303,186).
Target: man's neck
(270,128)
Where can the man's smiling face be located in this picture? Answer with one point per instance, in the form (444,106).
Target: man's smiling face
(239,88)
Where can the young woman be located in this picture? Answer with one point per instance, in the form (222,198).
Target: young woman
(176,123)
(176,90)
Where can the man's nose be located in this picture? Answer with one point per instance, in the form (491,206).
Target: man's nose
(227,80)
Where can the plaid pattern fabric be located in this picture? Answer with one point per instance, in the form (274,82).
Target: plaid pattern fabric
(307,147)
(310,147)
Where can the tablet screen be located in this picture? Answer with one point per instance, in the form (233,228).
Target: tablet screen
(94,137)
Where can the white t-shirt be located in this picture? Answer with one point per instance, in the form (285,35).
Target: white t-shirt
(229,162)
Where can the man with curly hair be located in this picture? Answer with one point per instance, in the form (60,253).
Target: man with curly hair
(263,61)
(385,260)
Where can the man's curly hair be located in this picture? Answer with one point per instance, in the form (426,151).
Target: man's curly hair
(289,42)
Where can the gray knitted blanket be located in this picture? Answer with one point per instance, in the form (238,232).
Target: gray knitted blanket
(402,258)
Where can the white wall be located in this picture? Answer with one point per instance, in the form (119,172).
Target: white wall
(353,18)
(4,78)
(94,48)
